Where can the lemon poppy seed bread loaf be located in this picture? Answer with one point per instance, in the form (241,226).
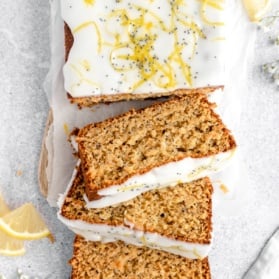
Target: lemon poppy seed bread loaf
(132,51)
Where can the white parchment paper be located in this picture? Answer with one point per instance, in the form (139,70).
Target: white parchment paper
(240,39)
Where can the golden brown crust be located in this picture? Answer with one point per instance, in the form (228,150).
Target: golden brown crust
(93,100)
(186,216)
(117,260)
(69,40)
(91,194)
(114,150)
(182,212)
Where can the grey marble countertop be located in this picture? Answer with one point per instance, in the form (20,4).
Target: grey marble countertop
(24,61)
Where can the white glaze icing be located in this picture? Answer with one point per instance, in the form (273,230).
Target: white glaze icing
(151,46)
(105,233)
(170,174)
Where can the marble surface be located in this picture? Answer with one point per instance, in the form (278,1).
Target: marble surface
(24,61)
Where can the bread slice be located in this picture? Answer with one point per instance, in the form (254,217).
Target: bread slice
(154,147)
(118,260)
(90,101)
(166,50)
(175,219)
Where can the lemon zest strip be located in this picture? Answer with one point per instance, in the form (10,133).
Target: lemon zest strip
(87,24)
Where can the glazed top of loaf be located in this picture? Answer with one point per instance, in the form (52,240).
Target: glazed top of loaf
(146,47)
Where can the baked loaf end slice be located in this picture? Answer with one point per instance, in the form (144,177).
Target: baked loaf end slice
(89,101)
(118,260)
(116,149)
(180,213)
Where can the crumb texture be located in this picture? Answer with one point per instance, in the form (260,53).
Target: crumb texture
(182,212)
(117,260)
(133,143)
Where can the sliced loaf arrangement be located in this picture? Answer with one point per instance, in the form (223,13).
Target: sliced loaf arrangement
(140,199)
(172,145)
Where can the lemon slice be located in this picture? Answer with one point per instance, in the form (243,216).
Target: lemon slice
(256,9)
(24,223)
(4,209)
(10,246)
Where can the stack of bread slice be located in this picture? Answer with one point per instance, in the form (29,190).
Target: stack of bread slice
(141,180)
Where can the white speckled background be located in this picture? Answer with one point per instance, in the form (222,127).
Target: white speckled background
(24,60)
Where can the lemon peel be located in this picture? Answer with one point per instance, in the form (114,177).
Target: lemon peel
(10,246)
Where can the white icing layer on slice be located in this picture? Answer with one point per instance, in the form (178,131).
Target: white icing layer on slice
(127,233)
(170,174)
(143,46)
(105,233)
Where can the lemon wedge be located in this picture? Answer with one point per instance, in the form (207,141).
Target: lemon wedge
(10,246)
(24,223)
(4,209)
(256,9)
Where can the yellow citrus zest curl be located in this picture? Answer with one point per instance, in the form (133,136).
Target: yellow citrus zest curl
(89,2)
(87,24)
(137,36)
